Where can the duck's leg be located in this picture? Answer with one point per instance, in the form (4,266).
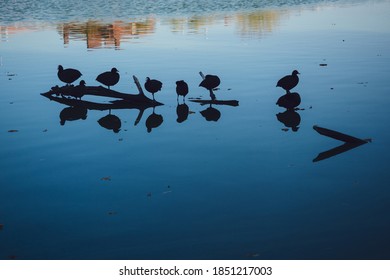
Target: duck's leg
(212,95)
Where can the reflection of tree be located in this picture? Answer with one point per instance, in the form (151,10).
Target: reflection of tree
(257,23)
(107,35)
(100,34)
(248,23)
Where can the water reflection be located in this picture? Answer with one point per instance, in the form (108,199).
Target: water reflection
(182,111)
(153,121)
(73,113)
(110,122)
(290,118)
(102,34)
(211,114)
(105,35)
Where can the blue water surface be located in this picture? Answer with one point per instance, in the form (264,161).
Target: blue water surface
(242,187)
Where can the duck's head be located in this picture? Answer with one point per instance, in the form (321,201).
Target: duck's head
(82,83)
(295,72)
(114,70)
(60,68)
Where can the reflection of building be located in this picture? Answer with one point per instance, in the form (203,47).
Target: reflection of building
(105,35)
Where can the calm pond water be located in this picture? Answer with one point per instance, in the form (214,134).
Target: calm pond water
(238,183)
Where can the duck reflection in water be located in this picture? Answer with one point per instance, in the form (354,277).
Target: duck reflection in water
(289,100)
(73,113)
(111,122)
(290,119)
(182,111)
(153,121)
(211,114)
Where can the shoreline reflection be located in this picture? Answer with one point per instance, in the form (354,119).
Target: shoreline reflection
(99,34)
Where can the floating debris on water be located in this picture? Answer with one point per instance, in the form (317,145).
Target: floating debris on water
(323,64)
(108,178)
(13,130)
(1,226)
(112,213)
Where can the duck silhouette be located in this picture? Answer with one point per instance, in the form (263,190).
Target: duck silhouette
(211,114)
(79,90)
(152,86)
(182,111)
(290,119)
(289,100)
(181,89)
(73,113)
(111,122)
(289,82)
(68,75)
(153,121)
(210,82)
(109,78)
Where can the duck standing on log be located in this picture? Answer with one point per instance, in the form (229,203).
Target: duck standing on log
(289,82)
(79,90)
(152,86)
(210,82)
(68,75)
(181,89)
(109,78)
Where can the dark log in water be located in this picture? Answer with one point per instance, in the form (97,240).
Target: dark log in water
(339,136)
(233,103)
(350,142)
(101,91)
(337,150)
